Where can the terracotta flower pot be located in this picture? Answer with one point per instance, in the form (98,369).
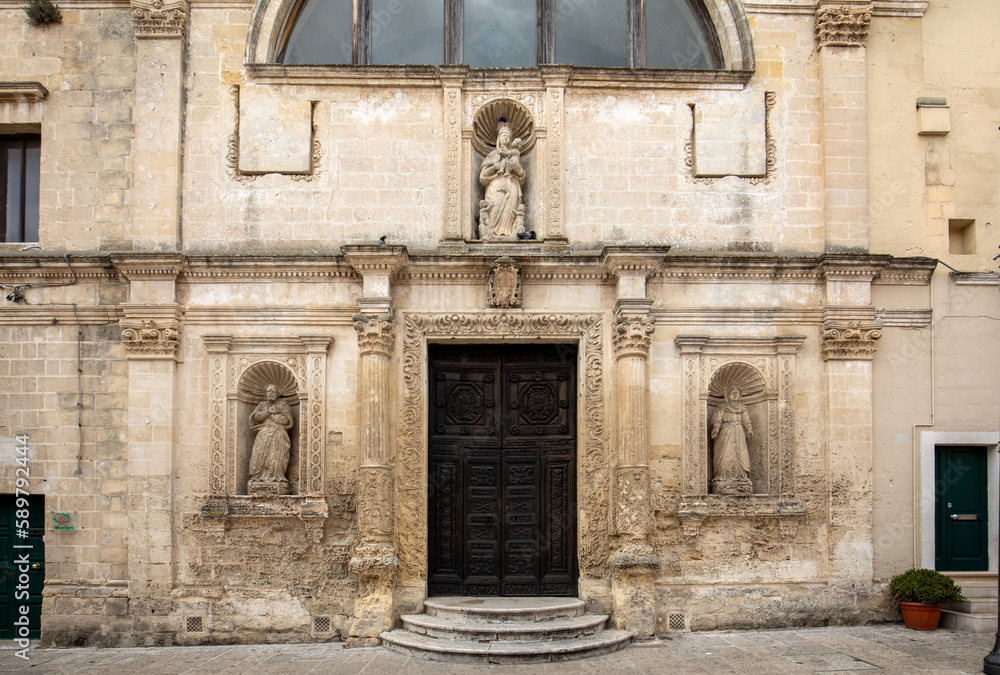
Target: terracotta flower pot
(919,616)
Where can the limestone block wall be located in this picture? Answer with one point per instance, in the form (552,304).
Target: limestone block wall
(87,64)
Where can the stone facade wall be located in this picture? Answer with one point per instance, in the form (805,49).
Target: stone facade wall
(219,214)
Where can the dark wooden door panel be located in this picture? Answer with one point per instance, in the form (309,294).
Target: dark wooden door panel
(502,462)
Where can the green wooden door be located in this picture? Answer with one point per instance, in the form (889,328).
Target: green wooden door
(961,508)
(22,563)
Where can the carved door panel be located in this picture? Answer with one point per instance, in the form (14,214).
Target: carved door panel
(502,475)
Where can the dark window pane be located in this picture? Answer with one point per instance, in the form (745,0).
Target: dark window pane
(407,32)
(675,37)
(31,174)
(15,167)
(591,32)
(323,33)
(500,34)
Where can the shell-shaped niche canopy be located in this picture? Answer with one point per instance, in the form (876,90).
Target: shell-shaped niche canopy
(488,118)
(742,375)
(259,375)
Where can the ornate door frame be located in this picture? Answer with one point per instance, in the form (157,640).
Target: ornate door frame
(593,462)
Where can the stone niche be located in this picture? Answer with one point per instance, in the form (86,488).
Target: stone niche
(764,371)
(240,369)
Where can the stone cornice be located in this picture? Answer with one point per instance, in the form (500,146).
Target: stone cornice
(205,268)
(22,92)
(909,8)
(644,260)
(377,258)
(26,268)
(160,267)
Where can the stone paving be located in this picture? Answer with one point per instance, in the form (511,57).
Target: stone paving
(884,649)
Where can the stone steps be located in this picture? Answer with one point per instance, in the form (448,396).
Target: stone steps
(978,614)
(505,631)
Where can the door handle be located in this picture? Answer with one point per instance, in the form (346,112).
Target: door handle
(964,516)
(36,566)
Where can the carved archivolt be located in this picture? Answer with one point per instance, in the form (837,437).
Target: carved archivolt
(845,26)
(765,367)
(240,366)
(593,467)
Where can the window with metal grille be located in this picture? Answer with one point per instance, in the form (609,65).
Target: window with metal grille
(19,172)
(194,624)
(321,624)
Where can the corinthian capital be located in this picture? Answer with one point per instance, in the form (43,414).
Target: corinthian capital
(156,18)
(843,25)
(633,335)
(375,334)
(850,340)
(150,332)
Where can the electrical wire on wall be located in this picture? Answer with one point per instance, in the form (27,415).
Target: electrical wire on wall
(16,295)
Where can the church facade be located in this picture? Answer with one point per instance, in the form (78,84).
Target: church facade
(310,316)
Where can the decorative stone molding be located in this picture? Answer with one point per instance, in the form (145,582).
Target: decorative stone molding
(504,283)
(635,556)
(22,92)
(692,511)
(631,503)
(376,334)
(633,336)
(593,477)
(230,360)
(850,340)
(375,498)
(150,332)
(843,26)
(770,150)
(772,360)
(159,19)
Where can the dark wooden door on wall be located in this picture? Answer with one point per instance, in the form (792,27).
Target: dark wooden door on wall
(502,470)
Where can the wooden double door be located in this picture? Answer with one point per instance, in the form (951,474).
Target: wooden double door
(502,470)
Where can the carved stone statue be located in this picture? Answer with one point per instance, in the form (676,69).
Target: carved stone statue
(731,430)
(271,419)
(501,213)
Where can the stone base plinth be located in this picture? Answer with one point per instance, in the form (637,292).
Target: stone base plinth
(732,486)
(268,488)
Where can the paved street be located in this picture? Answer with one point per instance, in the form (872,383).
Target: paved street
(883,649)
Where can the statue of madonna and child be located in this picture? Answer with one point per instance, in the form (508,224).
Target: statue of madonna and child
(731,429)
(271,419)
(501,212)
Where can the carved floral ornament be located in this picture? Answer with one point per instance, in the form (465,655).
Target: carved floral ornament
(633,336)
(850,340)
(156,18)
(845,26)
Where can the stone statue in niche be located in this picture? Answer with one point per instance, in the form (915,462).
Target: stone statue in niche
(501,212)
(271,419)
(731,429)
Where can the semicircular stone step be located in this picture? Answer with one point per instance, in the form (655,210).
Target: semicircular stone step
(466,651)
(561,628)
(503,609)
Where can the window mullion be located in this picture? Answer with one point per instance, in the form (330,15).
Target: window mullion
(636,33)
(362,32)
(454,30)
(546,31)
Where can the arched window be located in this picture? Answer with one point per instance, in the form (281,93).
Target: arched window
(673,34)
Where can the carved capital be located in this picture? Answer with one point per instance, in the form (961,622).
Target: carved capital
(843,26)
(504,281)
(850,340)
(150,332)
(159,19)
(376,334)
(633,336)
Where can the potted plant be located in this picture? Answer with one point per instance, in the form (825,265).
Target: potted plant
(921,593)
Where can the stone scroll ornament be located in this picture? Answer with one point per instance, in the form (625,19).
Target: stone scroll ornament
(156,18)
(731,429)
(501,211)
(271,419)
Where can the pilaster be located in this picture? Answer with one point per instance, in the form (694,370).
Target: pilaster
(151,336)
(159,30)
(555,79)
(375,561)
(453,79)
(634,563)
(841,35)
